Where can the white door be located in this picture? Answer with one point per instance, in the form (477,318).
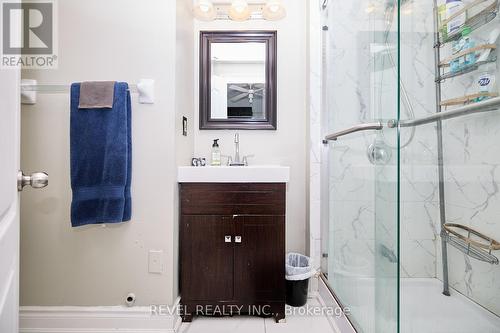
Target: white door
(11,182)
(9,200)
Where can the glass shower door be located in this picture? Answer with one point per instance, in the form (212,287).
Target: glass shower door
(361,87)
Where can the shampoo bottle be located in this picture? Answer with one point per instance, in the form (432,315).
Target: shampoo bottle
(469,43)
(216,153)
(456,22)
(486,82)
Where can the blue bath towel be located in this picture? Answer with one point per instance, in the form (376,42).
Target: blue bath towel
(101,160)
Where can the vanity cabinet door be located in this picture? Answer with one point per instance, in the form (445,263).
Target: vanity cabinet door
(207,257)
(259,267)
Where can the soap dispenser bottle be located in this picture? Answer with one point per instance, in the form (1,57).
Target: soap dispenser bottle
(216,158)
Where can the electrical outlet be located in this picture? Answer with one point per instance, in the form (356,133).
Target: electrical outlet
(156,261)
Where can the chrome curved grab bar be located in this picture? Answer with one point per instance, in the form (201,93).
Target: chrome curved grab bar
(357,128)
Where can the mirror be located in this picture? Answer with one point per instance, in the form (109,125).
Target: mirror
(238,80)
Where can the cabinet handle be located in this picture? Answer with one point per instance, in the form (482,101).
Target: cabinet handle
(227,239)
(237,239)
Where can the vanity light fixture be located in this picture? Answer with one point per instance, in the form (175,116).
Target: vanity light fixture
(204,10)
(274,10)
(238,10)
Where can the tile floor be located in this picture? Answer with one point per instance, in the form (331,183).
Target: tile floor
(245,324)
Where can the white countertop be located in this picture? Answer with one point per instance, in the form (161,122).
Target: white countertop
(234,174)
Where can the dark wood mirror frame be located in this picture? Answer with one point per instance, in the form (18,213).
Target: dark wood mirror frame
(209,37)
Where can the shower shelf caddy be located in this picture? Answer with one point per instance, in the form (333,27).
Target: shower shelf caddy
(471,242)
(444,64)
(476,19)
(479,13)
(467,99)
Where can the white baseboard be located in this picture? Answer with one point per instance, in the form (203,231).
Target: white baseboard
(116,319)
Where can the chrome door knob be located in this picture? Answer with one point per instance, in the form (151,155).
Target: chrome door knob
(35,180)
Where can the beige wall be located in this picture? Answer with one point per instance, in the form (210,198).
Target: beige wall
(184,100)
(287,145)
(107,40)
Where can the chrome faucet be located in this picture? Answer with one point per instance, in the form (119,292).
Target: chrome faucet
(237,160)
(237,148)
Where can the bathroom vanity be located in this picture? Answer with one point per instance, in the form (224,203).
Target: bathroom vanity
(232,240)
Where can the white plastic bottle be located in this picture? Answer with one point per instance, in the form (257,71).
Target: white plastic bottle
(486,82)
(452,7)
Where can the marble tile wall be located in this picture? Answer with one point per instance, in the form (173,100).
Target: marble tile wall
(419,174)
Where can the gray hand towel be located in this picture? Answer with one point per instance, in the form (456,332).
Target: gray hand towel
(94,95)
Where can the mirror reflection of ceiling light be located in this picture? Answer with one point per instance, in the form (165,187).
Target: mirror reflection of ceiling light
(204,10)
(274,10)
(239,10)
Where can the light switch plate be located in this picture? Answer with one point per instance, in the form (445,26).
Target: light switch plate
(156,261)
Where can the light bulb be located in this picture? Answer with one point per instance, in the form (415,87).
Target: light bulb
(204,10)
(239,10)
(274,10)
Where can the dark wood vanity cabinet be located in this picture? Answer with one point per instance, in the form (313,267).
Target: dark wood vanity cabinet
(232,249)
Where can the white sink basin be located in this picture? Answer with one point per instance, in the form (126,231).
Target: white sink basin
(227,174)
